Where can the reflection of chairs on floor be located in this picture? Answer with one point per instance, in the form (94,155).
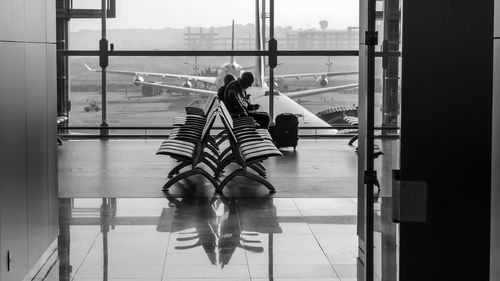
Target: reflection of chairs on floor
(215,223)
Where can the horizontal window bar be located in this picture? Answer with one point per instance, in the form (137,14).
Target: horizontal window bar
(214,128)
(173,53)
(333,53)
(242,53)
(123,136)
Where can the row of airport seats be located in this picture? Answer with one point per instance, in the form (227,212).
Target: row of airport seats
(191,144)
(59,120)
(354,121)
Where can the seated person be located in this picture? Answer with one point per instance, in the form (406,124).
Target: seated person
(227,79)
(238,104)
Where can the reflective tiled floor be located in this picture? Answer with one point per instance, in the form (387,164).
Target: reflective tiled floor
(322,168)
(147,234)
(207,239)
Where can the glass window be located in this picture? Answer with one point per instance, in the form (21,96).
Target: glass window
(321,24)
(84,34)
(160,95)
(84,93)
(172,25)
(298,74)
(86,4)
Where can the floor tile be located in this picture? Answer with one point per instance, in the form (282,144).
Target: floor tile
(292,271)
(298,279)
(342,257)
(120,271)
(346,270)
(81,240)
(115,279)
(333,229)
(288,243)
(206,271)
(141,246)
(294,228)
(206,259)
(287,258)
(205,279)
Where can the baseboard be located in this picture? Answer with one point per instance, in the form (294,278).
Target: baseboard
(44,264)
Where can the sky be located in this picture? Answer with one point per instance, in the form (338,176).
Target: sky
(159,14)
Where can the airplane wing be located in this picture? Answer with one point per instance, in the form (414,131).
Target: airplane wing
(306,93)
(177,88)
(209,80)
(316,75)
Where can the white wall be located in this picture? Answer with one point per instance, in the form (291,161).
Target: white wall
(495,172)
(28,167)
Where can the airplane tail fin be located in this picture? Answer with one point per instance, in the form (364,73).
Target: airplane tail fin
(259,61)
(232,43)
(88,67)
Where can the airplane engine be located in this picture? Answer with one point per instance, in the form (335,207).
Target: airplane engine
(138,79)
(322,81)
(187,84)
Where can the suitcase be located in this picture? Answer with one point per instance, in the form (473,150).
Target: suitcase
(286,131)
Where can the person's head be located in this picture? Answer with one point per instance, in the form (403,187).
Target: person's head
(246,79)
(229,78)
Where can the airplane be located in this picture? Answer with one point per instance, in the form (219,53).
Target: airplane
(259,92)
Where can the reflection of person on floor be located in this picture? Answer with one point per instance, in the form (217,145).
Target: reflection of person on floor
(215,221)
(238,103)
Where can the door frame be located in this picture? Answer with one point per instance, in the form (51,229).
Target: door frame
(366,173)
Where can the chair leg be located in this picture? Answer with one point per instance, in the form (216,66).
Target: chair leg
(221,140)
(229,178)
(261,166)
(195,171)
(211,157)
(222,165)
(213,142)
(213,149)
(177,178)
(226,151)
(177,168)
(261,180)
(220,134)
(209,178)
(210,165)
(256,168)
(241,172)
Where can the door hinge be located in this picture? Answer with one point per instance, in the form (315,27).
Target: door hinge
(371,38)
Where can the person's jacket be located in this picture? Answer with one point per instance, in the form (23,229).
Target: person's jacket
(220,92)
(235,99)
